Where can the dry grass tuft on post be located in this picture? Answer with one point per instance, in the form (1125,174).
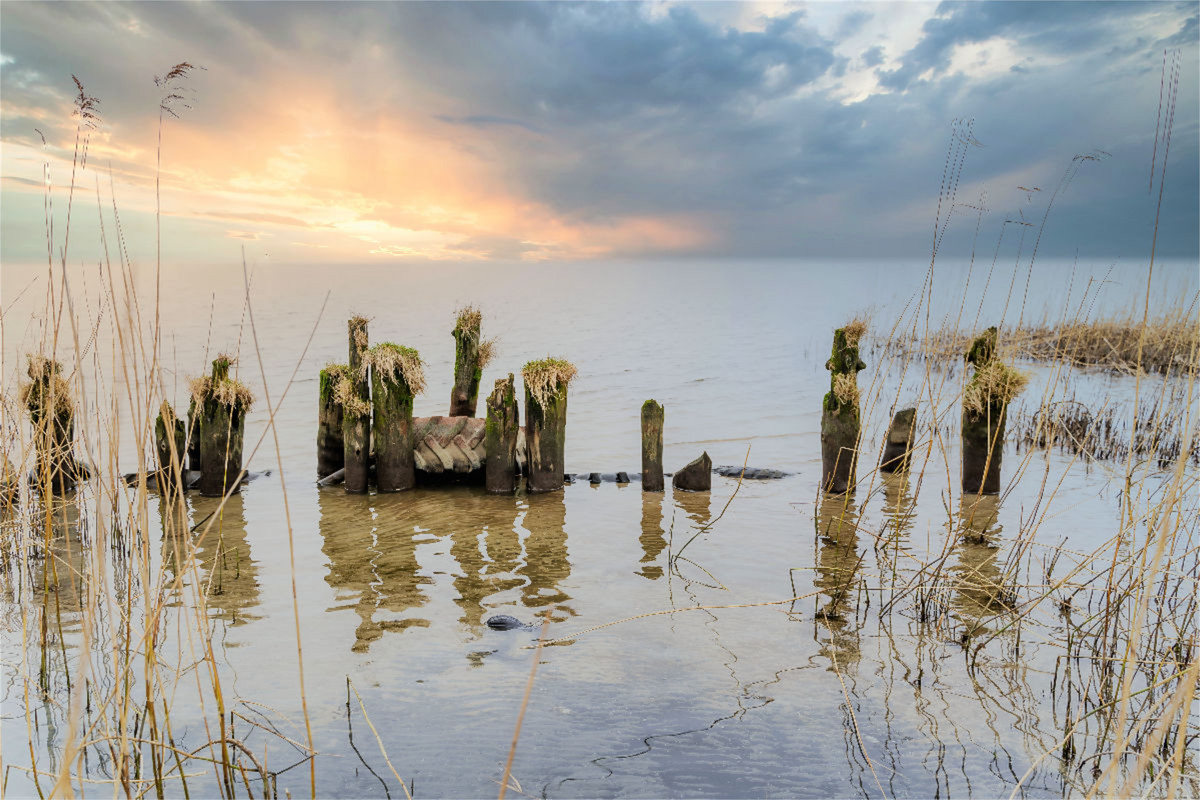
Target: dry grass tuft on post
(543,378)
(391,361)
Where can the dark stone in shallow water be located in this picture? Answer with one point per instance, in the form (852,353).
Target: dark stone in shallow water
(752,473)
(622,477)
(594,478)
(696,476)
(503,622)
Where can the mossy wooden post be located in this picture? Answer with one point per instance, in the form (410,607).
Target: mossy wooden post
(47,398)
(193,436)
(331,454)
(468,365)
(500,437)
(170,439)
(985,412)
(395,377)
(652,447)
(546,422)
(223,408)
(356,410)
(840,423)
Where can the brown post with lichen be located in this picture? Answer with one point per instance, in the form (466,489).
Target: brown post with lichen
(331,454)
(223,403)
(193,436)
(471,354)
(500,437)
(652,447)
(395,377)
(47,398)
(840,422)
(985,412)
(546,422)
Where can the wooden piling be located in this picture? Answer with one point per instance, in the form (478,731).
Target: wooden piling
(193,436)
(223,403)
(355,395)
(546,421)
(652,447)
(170,441)
(47,398)
(500,437)
(471,354)
(331,454)
(898,446)
(985,412)
(396,376)
(840,422)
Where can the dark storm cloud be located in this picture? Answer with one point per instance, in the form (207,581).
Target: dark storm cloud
(602,110)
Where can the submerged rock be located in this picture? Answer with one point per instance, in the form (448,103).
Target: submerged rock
(752,473)
(504,622)
(696,476)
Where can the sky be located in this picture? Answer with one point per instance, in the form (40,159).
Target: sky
(376,132)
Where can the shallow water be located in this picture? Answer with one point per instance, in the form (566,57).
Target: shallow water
(816,697)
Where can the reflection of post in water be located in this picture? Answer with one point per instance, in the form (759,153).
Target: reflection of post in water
(837,570)
(980,584)
(653,538)
(546,563)
(487,547)
(229,575)
(897,505)
(58,576)
(372,552)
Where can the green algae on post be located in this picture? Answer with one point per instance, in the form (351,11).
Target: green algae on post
(546,421)
(985,413)
(840,421)
(500,437)
(222,403)
(471,354)
(47,399)
(396,376)
(652,447)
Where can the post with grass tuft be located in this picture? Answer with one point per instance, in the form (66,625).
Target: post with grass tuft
(652,447)
(840,421)
(222,402)
(546,421)
(396,377)
(985,412)
(331,454)
(193,436)
(47,398)
(500,437)
(471,355)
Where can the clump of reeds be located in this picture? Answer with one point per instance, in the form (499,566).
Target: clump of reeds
(544,377)
(391,361)
(993,385)
(46,391)
(358,324)
(855,330)
(1163,345)
(346,395)
(227,391)
(845,388)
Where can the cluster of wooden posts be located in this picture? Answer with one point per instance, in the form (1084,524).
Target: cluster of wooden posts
(366,427)
(985,410)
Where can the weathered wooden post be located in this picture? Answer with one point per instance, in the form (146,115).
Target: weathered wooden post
(985,412)
(696,476)
(331,454)
(500,437)
(840,421)
(652,447)
(47,398)
(546,421)
(898,447)
(396,377)
(170,439)
(222,402)
(193,436)
(354,395)
(471,355)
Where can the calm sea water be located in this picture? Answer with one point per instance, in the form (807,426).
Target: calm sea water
(393,590)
